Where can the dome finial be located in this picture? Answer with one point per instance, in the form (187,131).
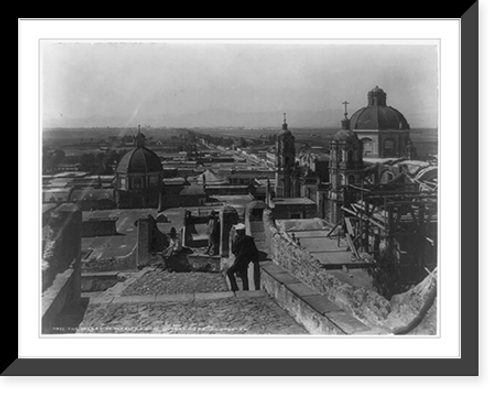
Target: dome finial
(140,139)
(345,103)
(346,123)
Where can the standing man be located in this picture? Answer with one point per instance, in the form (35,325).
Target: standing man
(245,251)
(213,232)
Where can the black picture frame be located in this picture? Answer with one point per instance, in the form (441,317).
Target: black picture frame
(466,365)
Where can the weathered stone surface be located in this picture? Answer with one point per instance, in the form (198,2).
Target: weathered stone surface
(254,315)
(250,293)
(347,322)
(320,304)
(285,278)
(175,297)
(301,290)
(101,299)
(164,282)
(272,268)
(212,296)
(134,299)
(428,326)
(56,297)
(401,313)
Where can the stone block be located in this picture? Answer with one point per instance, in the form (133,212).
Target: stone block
(301,290)
(250,293)
(213,296)
(102,299)
(272,268)
(134,300)
(321,304)
(174,297)
(313,321)
(286,279)
(290,302)
(347,322)
(104,274)
(269,284)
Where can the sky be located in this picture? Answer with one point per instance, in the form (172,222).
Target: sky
(151,83)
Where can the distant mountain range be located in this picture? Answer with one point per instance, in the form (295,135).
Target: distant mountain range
(225,118)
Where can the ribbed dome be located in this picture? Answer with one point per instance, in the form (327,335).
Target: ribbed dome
(140,160)
(345,135)
(377,115)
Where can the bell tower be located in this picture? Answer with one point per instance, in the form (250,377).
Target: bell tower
(285,161)
(346,167)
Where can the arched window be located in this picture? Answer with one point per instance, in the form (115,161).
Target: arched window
(153,181)
(137,183)
(342,179)
(389,148)
(350,156)
(351,179)
(340,157)
(367,146)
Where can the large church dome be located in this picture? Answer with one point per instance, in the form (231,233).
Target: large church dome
(377,115)
(140,159)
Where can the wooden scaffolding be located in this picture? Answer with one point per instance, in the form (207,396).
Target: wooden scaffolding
(404,220)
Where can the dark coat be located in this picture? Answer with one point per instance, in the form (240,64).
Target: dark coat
(244,248)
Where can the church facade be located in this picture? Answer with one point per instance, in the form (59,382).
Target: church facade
(376,131)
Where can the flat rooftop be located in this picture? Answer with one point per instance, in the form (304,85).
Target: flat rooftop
(114,245)
(330,251)
(293,201)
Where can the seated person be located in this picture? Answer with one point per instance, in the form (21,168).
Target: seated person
(174,247)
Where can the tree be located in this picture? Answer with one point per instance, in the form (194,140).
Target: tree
(58,156)
(87,160)
(51,159)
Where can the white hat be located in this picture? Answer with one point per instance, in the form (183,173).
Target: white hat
(239,227)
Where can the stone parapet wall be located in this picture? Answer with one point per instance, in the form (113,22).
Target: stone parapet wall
(61,263)
(122,263)
(62,243)
(56,296)
(310,309)
(398,315)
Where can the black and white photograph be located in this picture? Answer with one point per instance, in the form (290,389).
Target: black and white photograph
(240,187)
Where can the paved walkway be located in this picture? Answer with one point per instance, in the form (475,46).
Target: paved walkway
(164,282)
(244,313)
(153,301)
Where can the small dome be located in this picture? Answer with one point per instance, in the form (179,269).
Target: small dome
(346,136)
(140,160)
(377,115)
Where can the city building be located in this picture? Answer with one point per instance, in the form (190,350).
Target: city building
(139,177)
